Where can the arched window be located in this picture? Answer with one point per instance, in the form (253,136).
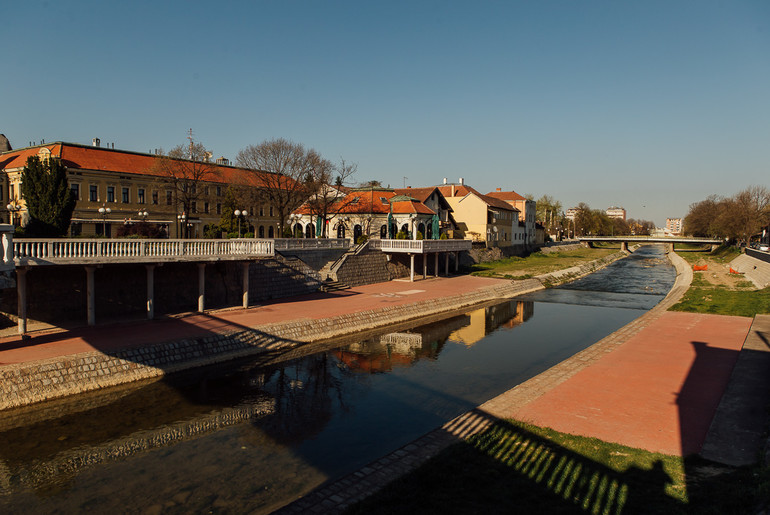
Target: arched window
(429,234)
(271,232)
(357,232)
(341,230)
(421,229)
(309,231)
(405,228)
(384,232)
(261,231)
(297,231)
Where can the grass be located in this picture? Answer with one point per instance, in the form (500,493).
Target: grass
(706,296)
(517,468)
(538,263)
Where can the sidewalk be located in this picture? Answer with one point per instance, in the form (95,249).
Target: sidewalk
(52,343)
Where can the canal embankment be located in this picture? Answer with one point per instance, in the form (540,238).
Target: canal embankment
(59,364)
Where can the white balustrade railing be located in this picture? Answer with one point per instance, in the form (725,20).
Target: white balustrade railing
(311,243)
(64,250)
(424,246)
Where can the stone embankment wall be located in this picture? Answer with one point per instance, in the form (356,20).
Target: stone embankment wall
(25,384)
(755,270)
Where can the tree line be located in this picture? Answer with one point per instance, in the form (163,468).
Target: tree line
(739,217)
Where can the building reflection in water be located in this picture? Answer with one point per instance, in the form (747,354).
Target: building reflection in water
(403,349)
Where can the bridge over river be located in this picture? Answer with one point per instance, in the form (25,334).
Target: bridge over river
(625,240)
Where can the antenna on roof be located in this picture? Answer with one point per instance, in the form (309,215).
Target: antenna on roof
(405,178)
(190,137)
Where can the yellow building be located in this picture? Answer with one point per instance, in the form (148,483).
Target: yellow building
(481,218)
(118,188)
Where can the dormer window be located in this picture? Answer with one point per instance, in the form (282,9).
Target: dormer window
(44,154)
(384,200)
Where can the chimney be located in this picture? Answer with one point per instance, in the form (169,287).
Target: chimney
(462,181)
(95,142)
(453,191)
(498,189)
(444,180)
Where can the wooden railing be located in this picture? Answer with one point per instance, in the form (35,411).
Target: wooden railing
(64,250)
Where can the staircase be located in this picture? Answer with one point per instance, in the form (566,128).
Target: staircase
(330,285)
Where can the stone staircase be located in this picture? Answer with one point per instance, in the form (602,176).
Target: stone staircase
(330,286)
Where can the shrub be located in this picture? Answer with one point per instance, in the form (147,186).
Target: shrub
(361,240)
(419,235)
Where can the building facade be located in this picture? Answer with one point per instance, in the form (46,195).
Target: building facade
(116,188)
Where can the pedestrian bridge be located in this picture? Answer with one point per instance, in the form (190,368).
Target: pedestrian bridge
(625,240)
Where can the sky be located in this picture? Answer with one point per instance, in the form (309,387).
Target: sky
(649,105)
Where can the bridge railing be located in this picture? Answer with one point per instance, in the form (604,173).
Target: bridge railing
(106,250)
(311,243)
(424,246)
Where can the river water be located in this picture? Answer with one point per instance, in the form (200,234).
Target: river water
(251,437)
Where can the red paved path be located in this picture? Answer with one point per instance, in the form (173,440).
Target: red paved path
(657,391)
(50,344)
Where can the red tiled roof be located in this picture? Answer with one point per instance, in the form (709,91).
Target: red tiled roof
(121,161)
(370,201)
(506,195)
(462,190)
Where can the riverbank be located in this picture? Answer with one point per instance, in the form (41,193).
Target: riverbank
(55,364)
(639,395)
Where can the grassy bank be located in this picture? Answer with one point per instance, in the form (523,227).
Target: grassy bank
(538,263)
(516,468)
(716,291)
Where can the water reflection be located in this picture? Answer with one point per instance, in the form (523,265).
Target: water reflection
(256,434)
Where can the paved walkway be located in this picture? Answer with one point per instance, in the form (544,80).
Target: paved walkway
(655,384)
(51,343)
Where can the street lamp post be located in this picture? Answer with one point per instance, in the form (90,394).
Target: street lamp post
(143,214)
(104,211)
(238,213)
(182,223)
(13,208)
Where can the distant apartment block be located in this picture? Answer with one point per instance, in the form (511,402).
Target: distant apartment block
(571,213)
(674,226)
(616,212)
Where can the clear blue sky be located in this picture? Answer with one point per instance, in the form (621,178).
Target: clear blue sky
(649,105)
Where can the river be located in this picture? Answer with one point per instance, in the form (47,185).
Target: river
(251,436)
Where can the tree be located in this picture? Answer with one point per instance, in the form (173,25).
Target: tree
(289,166)
(50,202)
(549,212)
(185,168)
(327,198)
(750,211)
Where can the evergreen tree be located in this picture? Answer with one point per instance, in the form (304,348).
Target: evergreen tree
(50,202)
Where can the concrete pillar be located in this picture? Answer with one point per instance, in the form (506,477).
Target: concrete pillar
(411,268)
(90,295)
(424,266)
(245,284)
(457,261)
(201,286)
(446,265)
(624,246)
(435,264)
(150,291)
(21,299)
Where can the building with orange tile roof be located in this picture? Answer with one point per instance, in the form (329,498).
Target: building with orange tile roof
(134,189)
(527,213)
(365,212)
(480,218)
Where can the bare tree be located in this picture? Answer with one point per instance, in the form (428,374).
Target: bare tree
(184,168)
(751,211)
(291,168)
(328,189)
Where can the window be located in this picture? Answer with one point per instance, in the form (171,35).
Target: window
(169,197)
(206,207)
(75,189)
(219,208)
(140,195)
(205,190)
(194,206)
(270,232)
(219,191)
(110,193)
(271,210)
(76,229)
(125,195)
(93,193)
(11,191)
(261,211)
(155,198)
